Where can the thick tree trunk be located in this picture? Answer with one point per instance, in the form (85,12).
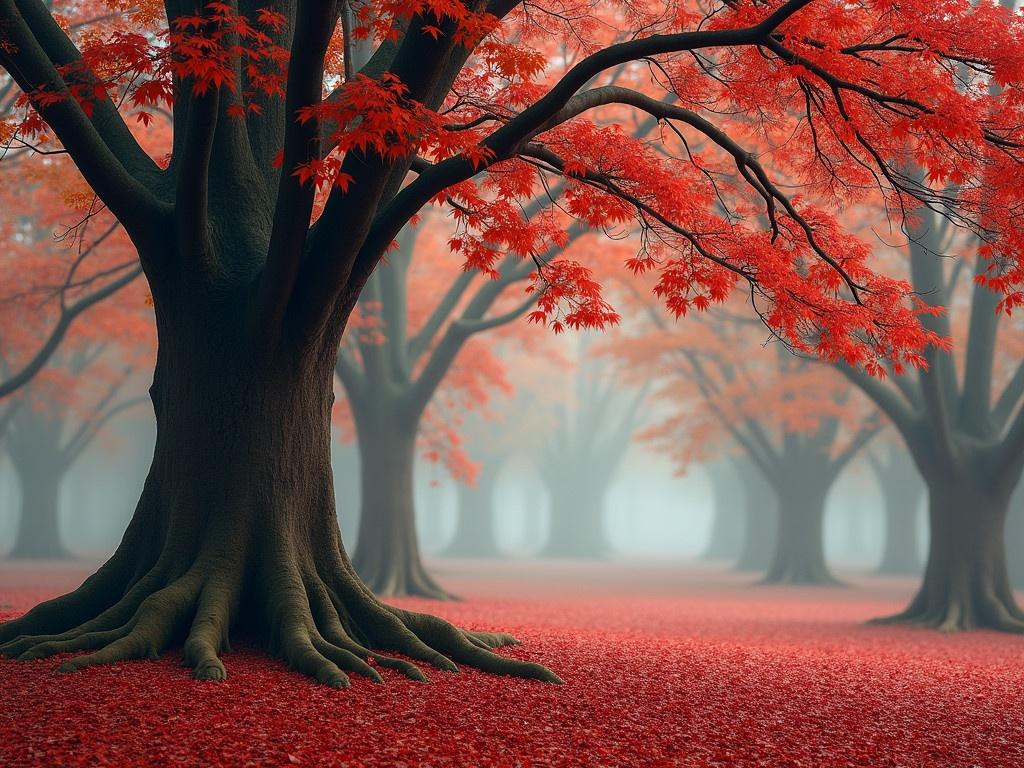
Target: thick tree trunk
(576,522)
(965,585)
(474,528)
(799,546)
(760,516)
(727,523)
(387,555)
(236,529)
(39,530)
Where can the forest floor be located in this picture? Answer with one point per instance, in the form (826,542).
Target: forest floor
(664,666)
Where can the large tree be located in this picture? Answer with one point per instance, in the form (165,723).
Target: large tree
(590,436)
(236,524)
(799,427)
(413,345)
(962,424)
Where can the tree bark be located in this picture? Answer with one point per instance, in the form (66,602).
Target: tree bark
(474,530)
(387,555)
(727,524)
(236,529)
(799,556)
(965,584)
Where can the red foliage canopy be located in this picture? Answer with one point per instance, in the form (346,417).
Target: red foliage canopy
(837,98)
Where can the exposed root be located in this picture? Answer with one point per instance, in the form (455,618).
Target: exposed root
(401,579)
(320,619)
(962,611)
(797,575)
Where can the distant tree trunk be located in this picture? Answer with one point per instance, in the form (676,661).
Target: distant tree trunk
(902,490)
(1015,538)
(347,484)
(727,523)
(39,531)
(533,515)
(474,528)
(799,550)
(760,512)
(965,580)
(40,467)
(387,555)
(576,528)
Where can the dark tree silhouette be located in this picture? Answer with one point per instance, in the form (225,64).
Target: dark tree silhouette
(966,437)
(584,450)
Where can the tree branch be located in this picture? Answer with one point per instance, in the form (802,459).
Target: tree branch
(315,23)
(130,201)
(67,317)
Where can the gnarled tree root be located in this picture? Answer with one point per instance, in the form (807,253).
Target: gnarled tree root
(321,620)
(962,610)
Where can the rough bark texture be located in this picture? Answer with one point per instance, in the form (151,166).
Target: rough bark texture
(726,539)
(236,531)
(474,528)
(387,555)
(799,556)
(965,585)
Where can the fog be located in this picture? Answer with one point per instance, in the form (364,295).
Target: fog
(650,510)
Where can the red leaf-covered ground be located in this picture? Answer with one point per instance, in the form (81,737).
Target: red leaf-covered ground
(663,667)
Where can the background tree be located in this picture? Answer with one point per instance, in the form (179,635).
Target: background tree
(961,421)
(798,427)
(902,493)
(492,440)
(413,344)
(728,528)
(50,431)
(761,518)
(236,524)
(590,435)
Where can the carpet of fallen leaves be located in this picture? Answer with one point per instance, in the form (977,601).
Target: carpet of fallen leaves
(663,667)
